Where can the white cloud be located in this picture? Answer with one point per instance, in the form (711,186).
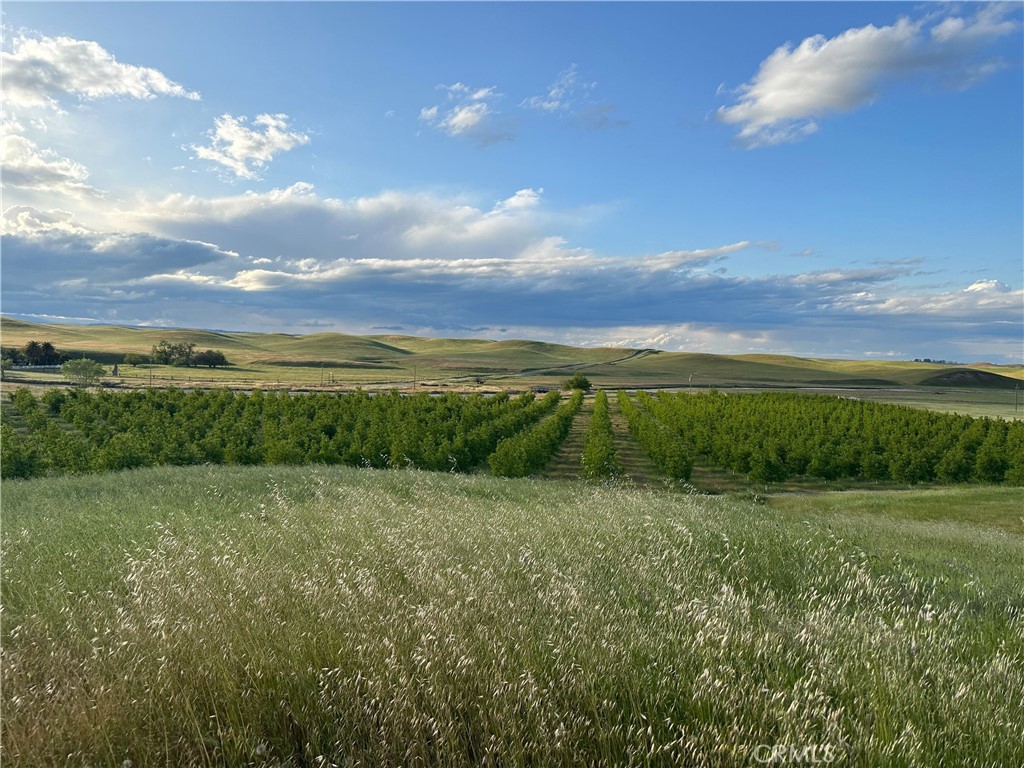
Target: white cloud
(38,70)
(795,87)
(468,113)
(27,221)
(288,259)
(27,166)
(244,151)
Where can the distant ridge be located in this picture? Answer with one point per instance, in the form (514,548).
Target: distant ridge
(966,377)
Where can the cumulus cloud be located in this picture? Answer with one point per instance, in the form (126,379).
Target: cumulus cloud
(48,258)
(469,113)
(28,166)
(40,70)
(243,150)
(797,86)
(28,221)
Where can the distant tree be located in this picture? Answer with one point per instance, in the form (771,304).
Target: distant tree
(5,365)
(210,358)
(32,352)
(84,372)
(48,354)
(166,353)
(161,353)
(133,359)
(577,381)
(40,353)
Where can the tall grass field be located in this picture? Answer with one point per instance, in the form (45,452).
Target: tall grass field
(272,616)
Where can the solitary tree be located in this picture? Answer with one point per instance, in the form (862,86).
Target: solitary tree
(210,358)
(84,372)
(133,359)
(577,381)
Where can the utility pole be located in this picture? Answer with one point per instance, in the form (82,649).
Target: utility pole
(1016,389)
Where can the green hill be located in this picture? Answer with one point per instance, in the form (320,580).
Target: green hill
(394,360)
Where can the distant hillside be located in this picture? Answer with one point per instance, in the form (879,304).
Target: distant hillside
(966,377)
(384,360)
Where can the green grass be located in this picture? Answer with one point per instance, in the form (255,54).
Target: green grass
(279,616)
(994,507)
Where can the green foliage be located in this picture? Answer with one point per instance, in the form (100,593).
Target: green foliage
(577,381)
(774,436)
(133,359)
(183,353)
(665,449)
(599,460)
(528,452)
(211,358)
(83,372)
(18,455)
(40,353)
(75,430)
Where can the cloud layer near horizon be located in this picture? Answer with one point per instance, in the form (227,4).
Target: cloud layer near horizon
(291,260)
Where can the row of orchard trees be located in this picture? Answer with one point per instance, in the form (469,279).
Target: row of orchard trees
(599,460)
(660,443)
(528,452)
(80,431)
(772,437)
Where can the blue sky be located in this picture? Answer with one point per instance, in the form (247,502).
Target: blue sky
(824,179)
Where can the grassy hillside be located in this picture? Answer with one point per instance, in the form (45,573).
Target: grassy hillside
(215,616)
(402,361)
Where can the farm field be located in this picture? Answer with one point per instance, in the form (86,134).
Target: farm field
(766,439)
(380,614)
(340,362)
(304,616)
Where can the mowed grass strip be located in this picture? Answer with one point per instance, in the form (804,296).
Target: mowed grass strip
(312,616)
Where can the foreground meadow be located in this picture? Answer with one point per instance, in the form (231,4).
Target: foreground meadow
(311,616)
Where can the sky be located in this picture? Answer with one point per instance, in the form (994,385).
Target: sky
(818,179)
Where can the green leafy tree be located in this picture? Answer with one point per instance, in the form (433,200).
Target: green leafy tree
(133,359)
(211,358)
(84,372)
(18,455)
(577,381)
(166,353)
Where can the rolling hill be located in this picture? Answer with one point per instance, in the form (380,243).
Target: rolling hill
(394,359)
